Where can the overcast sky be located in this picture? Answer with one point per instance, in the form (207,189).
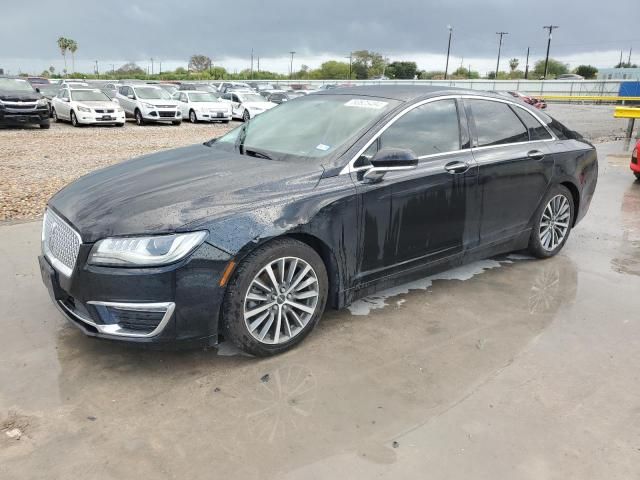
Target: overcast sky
(118,31)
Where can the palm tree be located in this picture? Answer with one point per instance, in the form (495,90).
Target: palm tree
(73,47)
(63,45)
(513,64)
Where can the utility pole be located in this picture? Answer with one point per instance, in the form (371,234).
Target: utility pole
(526,68)
(629,60)
(258,65)
(252,64)
(469,71)
(501,34)
(620,62)
(350,57)
(446,68)
(546,60)
(97,71)
(291,65)
(160,67)
(151,65)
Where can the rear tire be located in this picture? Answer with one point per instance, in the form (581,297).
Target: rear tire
(295,323)
(553,222)
(637,174)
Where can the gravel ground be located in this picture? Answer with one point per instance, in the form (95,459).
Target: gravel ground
(34,163)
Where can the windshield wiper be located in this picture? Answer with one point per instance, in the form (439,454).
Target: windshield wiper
(256,153)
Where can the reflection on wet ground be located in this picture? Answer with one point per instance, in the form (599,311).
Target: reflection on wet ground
(500,369)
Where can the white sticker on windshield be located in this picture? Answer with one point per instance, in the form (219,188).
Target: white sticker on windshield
(358,102)
(322,147)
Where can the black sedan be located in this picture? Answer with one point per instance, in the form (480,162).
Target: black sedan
(317,202)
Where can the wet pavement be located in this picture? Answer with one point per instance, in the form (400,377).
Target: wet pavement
(507,368)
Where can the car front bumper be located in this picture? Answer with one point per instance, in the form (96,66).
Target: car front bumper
(175,306)
(99,118)
(162,115)
(13,117)
(213,116)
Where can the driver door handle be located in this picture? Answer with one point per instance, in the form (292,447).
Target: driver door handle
(456,167)
(535,155)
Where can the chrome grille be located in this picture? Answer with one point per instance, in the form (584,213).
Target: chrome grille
(60,243)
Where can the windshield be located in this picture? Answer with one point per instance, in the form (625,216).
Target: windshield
(89,96)
(251,97)
(203,97)
(314,126)
(152,93)
(49,89)
(15,84)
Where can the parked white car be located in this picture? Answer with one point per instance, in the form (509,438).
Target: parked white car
(85,106)
(147,103)
(200,106)
(246,105)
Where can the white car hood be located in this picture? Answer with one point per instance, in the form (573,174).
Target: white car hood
(262,105)
(99,104)
(156,102)
(211,105)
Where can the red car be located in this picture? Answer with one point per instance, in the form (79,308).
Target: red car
(536,102)
(635,164)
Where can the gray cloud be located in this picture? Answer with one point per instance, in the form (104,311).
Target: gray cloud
(125,29)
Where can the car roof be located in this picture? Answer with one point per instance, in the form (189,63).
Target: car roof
(403,93)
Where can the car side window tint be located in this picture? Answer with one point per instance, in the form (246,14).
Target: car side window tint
(496,124)
(235,98)
(535,128)
(428,129)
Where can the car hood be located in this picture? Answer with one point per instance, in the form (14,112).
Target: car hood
(99,104)
(212,105)
(19,96)
(172,103)
(165,192)
(263,105)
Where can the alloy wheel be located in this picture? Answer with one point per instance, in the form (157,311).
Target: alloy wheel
(281,300)
(554,224)
(74,119)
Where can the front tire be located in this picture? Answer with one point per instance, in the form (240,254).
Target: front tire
(637,174)
(54,114)
(246,116)
(554,219)
(275,298)
(45,125)
(138,116)
(74,119)
(192,117)
(176,122)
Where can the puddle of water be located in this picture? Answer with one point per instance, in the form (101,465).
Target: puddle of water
(365,305)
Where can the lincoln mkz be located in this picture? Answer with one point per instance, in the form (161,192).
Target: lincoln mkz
(313,204)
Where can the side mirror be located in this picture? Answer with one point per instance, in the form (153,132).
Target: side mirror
(37,90)
(131,96)
(389,160)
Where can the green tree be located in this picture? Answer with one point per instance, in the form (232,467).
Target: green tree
(586,71)
(52,69)
(402,70)
(72,45)
(555,68)
(63,45)
(368,64)
(331,70)
(463,72)
(625,65)
(513,64)
(130,70)
(432,75)
(199,63)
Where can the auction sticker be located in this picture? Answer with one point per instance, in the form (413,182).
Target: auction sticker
(360,103)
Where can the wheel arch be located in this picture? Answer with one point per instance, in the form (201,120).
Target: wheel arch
(575,193)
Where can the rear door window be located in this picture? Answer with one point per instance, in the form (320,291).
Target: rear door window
(496,123)
(535,128)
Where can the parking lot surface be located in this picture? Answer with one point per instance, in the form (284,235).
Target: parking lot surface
(34,163)
(509,368)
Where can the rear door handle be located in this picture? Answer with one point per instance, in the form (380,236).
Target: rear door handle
(535,155)
(456,167)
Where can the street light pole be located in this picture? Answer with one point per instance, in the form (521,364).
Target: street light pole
(292,53)
(446,68)
(501,34)
(546,60)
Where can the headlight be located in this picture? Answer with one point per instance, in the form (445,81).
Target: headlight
(83,109)
(148,105)
(42,102)
(145,251)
